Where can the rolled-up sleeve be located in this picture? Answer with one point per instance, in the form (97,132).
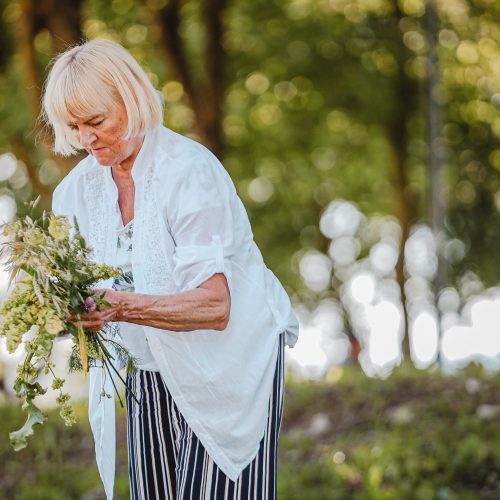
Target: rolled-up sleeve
(201,223)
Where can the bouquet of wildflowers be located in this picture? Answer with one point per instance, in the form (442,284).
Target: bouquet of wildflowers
(54,277)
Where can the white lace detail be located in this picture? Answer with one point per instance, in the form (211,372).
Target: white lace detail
(158,267)
(95,200)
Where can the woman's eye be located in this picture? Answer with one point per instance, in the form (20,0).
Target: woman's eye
(96,124)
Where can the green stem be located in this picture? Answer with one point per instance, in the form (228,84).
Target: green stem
(124,383)
(113,382)
(29,357)
(107,361)
(102,346)
(51,371)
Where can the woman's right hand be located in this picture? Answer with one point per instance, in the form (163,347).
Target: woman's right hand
(94,320)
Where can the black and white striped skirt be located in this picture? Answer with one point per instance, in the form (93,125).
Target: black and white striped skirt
(168,462)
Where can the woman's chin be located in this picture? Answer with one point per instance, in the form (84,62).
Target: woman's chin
(103,159)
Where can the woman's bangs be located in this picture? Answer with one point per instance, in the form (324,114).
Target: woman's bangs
(86,96)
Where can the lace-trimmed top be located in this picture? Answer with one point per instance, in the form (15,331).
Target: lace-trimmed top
(133,336)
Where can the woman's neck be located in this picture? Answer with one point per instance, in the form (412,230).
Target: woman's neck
(123,170)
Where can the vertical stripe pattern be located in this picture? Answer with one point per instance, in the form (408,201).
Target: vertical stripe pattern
(168,462)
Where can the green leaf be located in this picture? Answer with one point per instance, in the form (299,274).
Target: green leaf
(18,438)
(37,291)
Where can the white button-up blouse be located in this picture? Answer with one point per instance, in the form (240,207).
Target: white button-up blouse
(189,224)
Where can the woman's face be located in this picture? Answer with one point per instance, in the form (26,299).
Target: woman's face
(102,136)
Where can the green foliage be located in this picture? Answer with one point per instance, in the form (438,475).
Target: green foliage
(59,463)
(416,435)
(311,93)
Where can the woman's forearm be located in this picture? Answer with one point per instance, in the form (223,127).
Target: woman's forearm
(192,310)
(206,307)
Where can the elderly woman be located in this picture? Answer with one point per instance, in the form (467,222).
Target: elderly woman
(205,318)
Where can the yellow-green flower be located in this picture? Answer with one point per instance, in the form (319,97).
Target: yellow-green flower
(57,383)
(12,229)
(67,414)
(59,227)
(33,237)
(53,324)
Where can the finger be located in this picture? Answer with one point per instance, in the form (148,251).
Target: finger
(93,326)
(90,316)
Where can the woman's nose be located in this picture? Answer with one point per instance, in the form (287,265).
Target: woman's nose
(87,138)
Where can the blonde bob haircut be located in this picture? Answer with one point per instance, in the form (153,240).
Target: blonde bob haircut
(91,79)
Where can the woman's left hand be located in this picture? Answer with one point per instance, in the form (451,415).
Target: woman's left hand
(95,320)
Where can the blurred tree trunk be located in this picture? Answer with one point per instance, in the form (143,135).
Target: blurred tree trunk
(62,19)
(398,137)
(206,98)
(435,205)
(32,72)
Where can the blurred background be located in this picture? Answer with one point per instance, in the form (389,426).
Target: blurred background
(363,137)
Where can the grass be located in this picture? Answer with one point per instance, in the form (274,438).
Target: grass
(416,435)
